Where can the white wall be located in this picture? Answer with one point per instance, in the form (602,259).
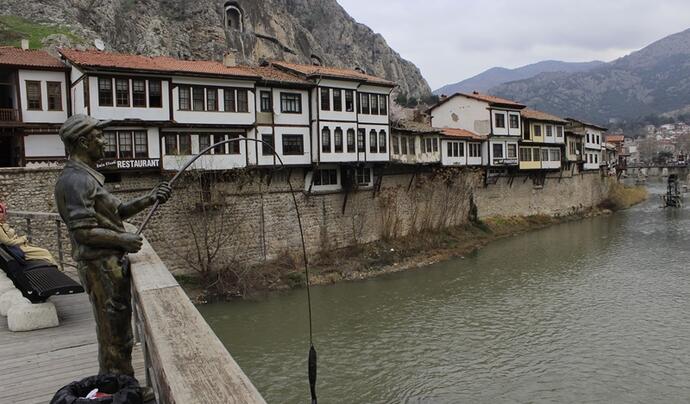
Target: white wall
(123,113)
(207,161)
(77,92)
(336,115)
(43,116)
(255,149)
(343,156)
(498,161)
(378,156)
(375,119)
(592,143)
(463,113)
(281,118)
(507,131)
(214,117)
(43,146)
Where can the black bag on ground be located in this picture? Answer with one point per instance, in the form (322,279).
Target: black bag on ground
(124,390)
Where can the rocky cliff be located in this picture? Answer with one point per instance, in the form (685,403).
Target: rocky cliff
(292,30)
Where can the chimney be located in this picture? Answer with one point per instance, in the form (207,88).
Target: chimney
(230,58)
(25,44)
(442,97)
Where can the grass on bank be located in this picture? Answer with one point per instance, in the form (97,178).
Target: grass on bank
(623,197)
(13,29)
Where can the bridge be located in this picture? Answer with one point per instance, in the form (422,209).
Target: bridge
(658,170)
(176,352)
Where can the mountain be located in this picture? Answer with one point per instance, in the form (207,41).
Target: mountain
(499,75)
(652,81)
(291,30)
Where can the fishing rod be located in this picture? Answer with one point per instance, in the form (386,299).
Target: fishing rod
(311,367)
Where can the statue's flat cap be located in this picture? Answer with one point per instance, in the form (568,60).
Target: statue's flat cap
(79,125)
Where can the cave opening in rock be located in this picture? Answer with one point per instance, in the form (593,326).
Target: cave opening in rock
(233,16)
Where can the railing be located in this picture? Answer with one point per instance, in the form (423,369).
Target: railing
(185,362)
(9,115)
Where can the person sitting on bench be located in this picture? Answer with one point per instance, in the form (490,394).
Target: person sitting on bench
(10,238)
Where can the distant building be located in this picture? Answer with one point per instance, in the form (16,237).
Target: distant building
(593,138)
(543,140)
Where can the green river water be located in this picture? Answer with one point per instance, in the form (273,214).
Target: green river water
(591,311)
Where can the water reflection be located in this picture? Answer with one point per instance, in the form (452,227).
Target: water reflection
(589,311)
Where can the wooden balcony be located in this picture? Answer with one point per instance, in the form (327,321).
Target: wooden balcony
(9,115)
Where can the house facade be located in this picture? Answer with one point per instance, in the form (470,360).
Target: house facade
(415,143)
(34,102)
(495,118)
(592,139)
(543,140)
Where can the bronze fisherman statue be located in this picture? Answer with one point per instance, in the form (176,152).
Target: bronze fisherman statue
(100,243)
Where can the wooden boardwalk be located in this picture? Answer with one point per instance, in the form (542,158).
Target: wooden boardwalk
(35,364)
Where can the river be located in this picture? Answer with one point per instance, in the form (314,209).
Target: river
(596,310)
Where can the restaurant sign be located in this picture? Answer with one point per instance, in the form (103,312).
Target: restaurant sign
(134,164)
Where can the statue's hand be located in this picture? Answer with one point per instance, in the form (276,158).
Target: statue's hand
(131,242)
(161,192)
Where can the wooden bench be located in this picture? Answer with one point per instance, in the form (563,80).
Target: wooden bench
(37,280)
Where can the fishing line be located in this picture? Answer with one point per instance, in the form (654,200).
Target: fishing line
(311,366)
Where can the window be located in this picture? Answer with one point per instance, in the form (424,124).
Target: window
(475,150)
(185,98)
(598,139)
(197,98)
(265,149)
(555,155)
(350,140)
(549,130)
(535,154)
(456,149)
(139,93)
(338,140)
(434,142)
(54,96)
(242,100)
(512,151)
(325,177)
(291,103)
(122,92)
(212,99)
(498,150)
(374,104)
(360,140)
(337,100)
(525,154)
(155,94)
(544,154)
(105,92)
(141,144)
(234,147)
(204,142)
(412,145)
(110,144)
(229,100)
(403,144)
(396,145)
(559,131)
(125,146)
(383,104)
(372,141)
(461,149)
(363,175)
(537,130)
(185,143)
(596,158)
(325,140)
(382,142)
(293,145)
(325,99)
(500,120)
(265,101)
(514,121)
(364,103)
(588,138)
(219,149)
(349,101)
(171,145)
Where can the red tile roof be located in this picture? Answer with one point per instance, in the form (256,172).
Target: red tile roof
(540,116)
(271,74)
(462,134)
(492,99)
(17,57)
(333,72)
(615,138)
(163,64)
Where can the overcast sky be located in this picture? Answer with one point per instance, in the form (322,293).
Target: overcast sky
(451,40)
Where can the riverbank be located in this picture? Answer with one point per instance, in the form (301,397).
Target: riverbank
(387,256)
